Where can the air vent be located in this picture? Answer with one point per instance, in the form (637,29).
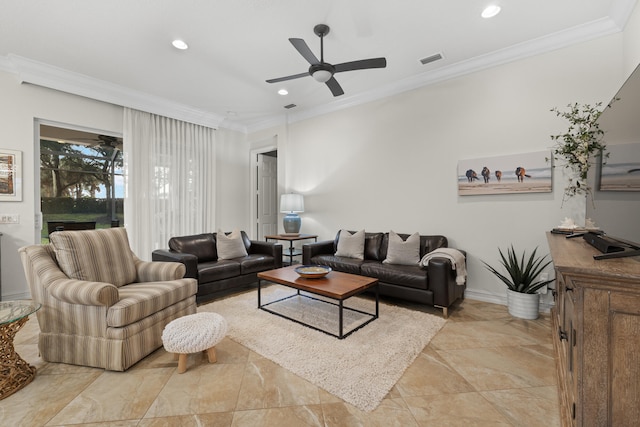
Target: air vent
(431,58)
(288,107)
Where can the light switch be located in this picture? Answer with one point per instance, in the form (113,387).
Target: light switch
(9,218)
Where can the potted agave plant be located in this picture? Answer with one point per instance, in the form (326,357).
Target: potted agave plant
(522,280)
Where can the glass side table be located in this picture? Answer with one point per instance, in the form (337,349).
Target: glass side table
(15,373)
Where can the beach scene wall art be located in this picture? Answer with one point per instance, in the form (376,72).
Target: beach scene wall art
(516,173)
(621,172)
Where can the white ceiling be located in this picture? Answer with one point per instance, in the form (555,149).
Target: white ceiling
(121,49)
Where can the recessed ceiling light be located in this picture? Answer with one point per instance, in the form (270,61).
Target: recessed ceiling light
(283,92)
(179,44)
(490,11)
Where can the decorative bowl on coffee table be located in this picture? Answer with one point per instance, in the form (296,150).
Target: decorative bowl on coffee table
(313,271)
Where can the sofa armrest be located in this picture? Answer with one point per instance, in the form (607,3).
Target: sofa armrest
(83,292)
(309,250)
(442,282)
(268,248)
(158,271)
(190,261)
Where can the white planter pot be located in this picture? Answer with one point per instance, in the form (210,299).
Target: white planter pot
(523,306)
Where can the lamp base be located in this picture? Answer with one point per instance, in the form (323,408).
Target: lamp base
(292,223)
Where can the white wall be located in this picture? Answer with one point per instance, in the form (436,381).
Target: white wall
(21,104)
(631,43)
(391,164)
(232,181)
(616,212)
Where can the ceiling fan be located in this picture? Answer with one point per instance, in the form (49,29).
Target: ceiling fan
(103,141)
(323,71)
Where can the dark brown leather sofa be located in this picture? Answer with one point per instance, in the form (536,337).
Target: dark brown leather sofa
(434,285)
(216,276)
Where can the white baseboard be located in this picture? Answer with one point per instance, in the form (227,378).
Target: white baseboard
(13,297)
(477,295)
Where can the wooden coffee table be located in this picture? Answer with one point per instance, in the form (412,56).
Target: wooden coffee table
(335,286)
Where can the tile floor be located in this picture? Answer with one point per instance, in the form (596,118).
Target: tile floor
(484,368)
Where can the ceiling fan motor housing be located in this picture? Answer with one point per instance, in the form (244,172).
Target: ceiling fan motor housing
(323,68)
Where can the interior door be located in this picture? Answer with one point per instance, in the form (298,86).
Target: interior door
(267,194)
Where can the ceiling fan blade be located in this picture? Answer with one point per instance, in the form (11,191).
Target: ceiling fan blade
(302,47)
(361,65)
(282,79)
(335,87)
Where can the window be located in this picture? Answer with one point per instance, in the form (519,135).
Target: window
(81,180)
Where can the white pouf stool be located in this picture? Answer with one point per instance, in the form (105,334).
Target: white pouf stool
(192,334)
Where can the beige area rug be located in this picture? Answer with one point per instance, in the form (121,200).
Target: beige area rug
(360,369)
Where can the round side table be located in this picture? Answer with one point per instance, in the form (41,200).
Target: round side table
(15,373)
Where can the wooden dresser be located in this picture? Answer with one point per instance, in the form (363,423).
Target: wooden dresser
(596,324)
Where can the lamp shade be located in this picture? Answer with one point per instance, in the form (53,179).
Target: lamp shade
(291,203)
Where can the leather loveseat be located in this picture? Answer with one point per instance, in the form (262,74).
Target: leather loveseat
(434,284)
(215,276)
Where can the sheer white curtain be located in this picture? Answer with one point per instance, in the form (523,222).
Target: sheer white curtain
(169,180)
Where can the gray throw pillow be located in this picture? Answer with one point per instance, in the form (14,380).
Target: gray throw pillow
(351,245)
(230,246)
(403,252)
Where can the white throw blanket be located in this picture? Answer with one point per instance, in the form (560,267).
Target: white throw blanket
(457,261)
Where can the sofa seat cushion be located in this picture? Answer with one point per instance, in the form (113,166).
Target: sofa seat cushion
(254,263)
(338,263)
(218,270)
(139,300)
(405,275)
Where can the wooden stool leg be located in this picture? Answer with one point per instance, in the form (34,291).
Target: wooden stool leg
(211,352)
(182,363)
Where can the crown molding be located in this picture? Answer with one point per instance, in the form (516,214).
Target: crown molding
(37,73)
(45,75)
(582,33)
(621,10)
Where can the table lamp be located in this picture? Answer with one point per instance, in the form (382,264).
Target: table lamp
(291,204)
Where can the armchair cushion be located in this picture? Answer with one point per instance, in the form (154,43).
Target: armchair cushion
(139,300)
(91,254)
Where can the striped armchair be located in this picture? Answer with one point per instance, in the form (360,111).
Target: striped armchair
(101,305)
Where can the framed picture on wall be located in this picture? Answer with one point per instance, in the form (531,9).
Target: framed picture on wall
(621,172)
(10,175)
(516,173)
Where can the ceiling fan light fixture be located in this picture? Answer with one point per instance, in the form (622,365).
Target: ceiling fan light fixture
(490,11)
(322,76)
